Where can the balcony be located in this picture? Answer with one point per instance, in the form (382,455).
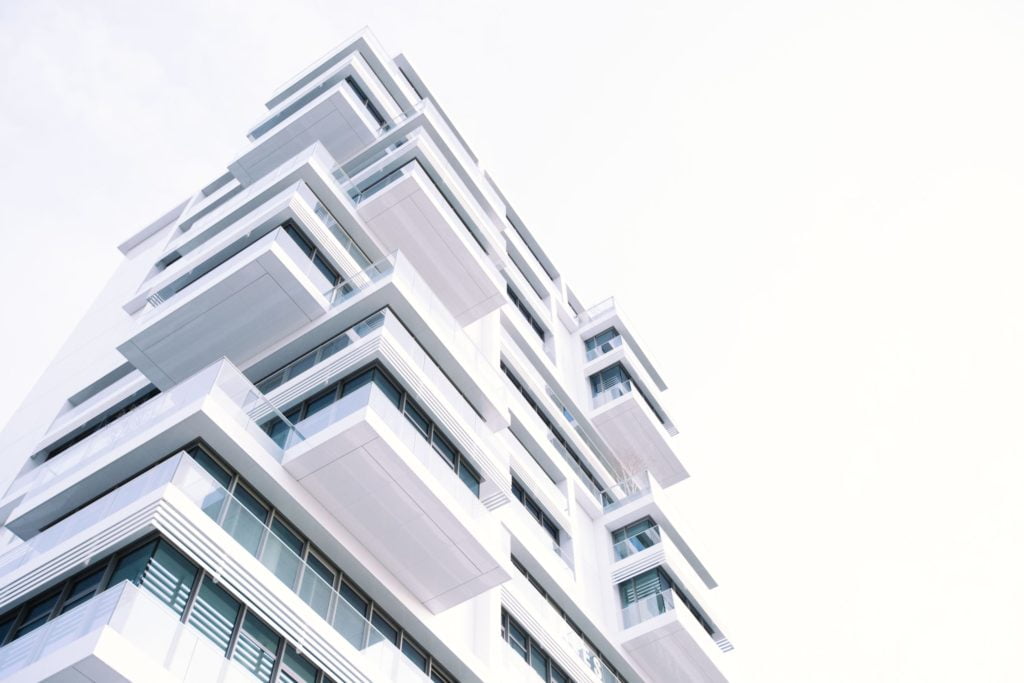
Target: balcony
(212,405)
(668,643)
(179,495)
(370,467)
(330,112)
(671,541)
(625,417)
(404,205)
(238,307)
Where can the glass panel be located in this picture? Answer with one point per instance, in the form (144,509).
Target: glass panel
(5,627)
(301,365)
(219,474)
(315,405)
(414,654)
(214,614)
(413,414)
(256,649)
(170,577)
(517,639)
(37,614)
(296,668)
(442,446)
(469,478)
(359,380)
(315,588)
(539,661)
(131,566)
(281,553)
(244,519)
(385,627)
(82,589)
(389,389)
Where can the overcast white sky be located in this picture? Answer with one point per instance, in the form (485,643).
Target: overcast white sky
(810,210)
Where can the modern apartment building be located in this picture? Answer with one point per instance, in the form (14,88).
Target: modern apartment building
(337,417)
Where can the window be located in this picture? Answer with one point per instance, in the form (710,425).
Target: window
(602,343)
(367,102)
(567,451)
(310,250)
(214,614)
(635,537)
(105,420)
(591,656)
(527,648)
(520,494)
(656,589)
(194,598)
(514,298)
(611,377)
(256,647)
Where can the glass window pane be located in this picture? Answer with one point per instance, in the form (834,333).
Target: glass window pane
(444,447)
(5,627)
(315,405)
(389,389)
(82,589)
(256,649)
(539,661)
(359,380)
(517,639)
(325,269)
(469,478)
(415,416)
(296,668)
(131,566)
(170,577)
(37,614)
(214,614)
(384,627)
(219,474)
(301,365)
(414,654)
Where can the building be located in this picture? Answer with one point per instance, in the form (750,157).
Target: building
(337,417)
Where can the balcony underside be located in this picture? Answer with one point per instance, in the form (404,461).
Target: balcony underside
(246,304)
(335,121)
(403,503)
(665,649)
(410,215)
(630,429)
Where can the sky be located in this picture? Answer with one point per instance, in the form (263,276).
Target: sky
(810,211)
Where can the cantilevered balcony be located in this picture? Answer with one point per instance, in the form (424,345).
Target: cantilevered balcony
(641,497)
(414,202)
(212,405)
(665,639)
(233,309)
(402,497)
(628,416)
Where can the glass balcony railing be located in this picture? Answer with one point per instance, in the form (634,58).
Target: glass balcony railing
(365,278)
(222,375)
(276,554)
(609,393)
(648,608)
(94,512)
(321,353)
(606,347)
(638,542)
(628,489)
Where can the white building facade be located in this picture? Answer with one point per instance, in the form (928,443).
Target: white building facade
(337,417)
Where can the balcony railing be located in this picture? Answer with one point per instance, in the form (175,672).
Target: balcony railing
(627,490)
(274,553)
(648,608)
(94,512)
(321,353)
(606,347)
(221,374)
(637,542)
(365,278)
(611,392)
